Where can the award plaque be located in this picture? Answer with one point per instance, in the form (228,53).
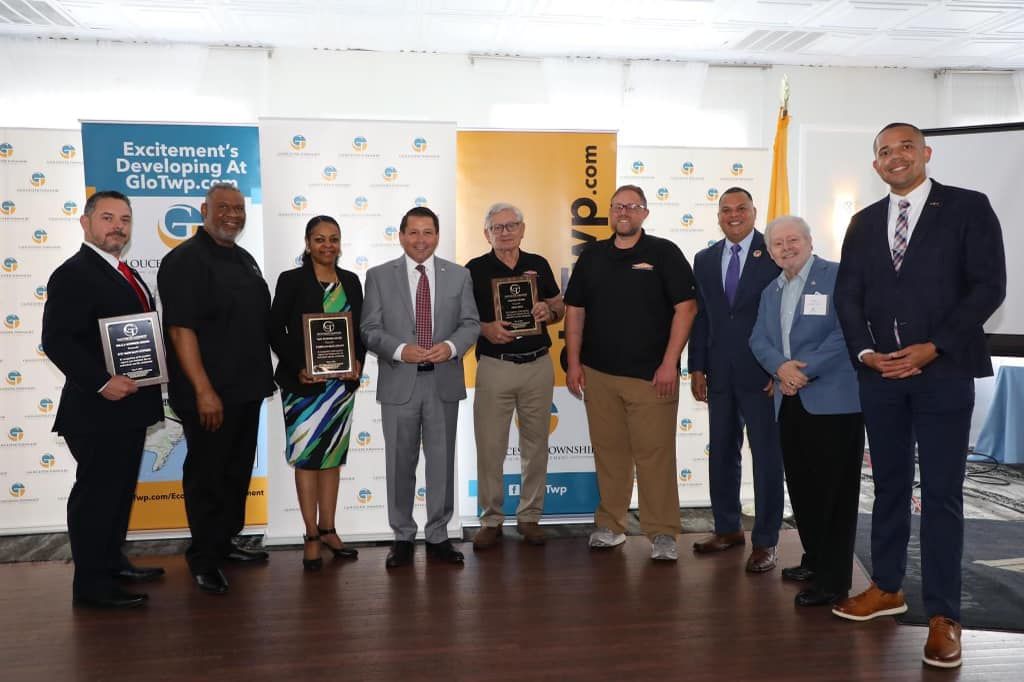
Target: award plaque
(327,338)
(514,298)
(133,346)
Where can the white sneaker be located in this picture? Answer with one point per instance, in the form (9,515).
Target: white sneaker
(663,548)
(603,538)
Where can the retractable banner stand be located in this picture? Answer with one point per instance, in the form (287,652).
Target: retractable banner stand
(41,197)
(563,183)
(682,187)
(165,169)
(366,175)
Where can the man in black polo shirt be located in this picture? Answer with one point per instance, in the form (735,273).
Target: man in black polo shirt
(217,312)
(513,373)
(630,304)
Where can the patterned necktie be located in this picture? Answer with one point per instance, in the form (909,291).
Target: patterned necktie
(899,239)
(424,331)
(123,268)
(732,273)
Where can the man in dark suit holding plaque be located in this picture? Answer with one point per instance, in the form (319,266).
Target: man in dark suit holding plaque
(102,417)
(514,373)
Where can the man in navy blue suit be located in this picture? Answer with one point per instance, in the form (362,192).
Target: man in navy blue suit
(731,274)
(921,272)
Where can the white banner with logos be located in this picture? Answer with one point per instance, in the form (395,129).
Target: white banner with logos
(366,175)
(41,197)
(682,187)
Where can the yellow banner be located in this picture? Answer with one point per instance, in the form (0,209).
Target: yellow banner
(561,181)
(160,505)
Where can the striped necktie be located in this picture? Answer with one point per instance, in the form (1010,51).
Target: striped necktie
(901,238)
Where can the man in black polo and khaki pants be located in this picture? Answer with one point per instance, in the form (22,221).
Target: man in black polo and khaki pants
(514,373)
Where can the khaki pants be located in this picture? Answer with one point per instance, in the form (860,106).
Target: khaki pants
(501,388)
(630,425)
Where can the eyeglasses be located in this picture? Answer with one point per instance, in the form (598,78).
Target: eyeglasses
(506,227)
(628,207)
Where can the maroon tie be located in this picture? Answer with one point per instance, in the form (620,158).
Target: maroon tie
(424,325)
(123,268)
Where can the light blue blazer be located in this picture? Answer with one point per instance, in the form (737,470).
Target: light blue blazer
(814,339)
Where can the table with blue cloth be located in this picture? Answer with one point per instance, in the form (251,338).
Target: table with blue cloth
(1002,435)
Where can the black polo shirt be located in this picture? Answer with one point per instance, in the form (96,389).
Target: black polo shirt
(219,292)
(487,267)
(629,297)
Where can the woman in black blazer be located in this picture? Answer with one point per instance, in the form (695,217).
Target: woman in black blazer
(317,411)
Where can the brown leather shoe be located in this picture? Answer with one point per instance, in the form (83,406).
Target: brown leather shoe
(943,647)
(486,537)
(719,543)
(871,603)
(762,559)
(532,533)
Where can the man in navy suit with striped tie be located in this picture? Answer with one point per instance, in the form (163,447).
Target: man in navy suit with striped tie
(921,272)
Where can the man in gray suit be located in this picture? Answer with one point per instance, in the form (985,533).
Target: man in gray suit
(420,318)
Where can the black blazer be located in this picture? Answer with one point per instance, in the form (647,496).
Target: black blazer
(720,339)
(81,291)
(298,292)
(952,279)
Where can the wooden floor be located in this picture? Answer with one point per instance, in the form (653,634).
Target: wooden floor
(520,613)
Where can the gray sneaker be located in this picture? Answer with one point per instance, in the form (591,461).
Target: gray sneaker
(604,538)
(663,548)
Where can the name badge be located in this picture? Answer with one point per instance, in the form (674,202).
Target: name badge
(815,304)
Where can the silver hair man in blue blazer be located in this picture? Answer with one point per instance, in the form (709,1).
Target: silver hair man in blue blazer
(798,340)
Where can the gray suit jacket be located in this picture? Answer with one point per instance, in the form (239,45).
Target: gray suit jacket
(389,320)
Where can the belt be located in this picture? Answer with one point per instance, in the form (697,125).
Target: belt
(425,367)
(522,358)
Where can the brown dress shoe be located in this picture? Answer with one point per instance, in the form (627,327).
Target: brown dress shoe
(871,603)
(943,647)
(718,543)
(486,537)
(762,559)
(532,533)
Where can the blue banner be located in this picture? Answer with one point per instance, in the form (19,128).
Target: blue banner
(573,492)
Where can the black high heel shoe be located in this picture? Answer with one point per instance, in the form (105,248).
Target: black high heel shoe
(339,552)
(312,564)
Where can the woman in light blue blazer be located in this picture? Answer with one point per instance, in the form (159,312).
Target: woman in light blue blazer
(798,340)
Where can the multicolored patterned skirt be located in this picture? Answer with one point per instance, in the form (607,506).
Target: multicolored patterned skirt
(318,426)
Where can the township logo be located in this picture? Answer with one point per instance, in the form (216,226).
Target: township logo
(12,321)
(685,475)
(684,374)
(421,494)
(638,167)
(686,220)
(47,461)
(298,142)
(13,378)
(420,202)
(419,145)
(707,449)
(40,293)
(45,406)
(363,439)
(39,236)
(737,168)
(365,496)
(16,434)
(361,203)
(686,425)
(362,262)
(330,173)
(687,168)
(17,489)
(6,150)
(391,233)
(69,208)
(180,222)
(364,381)
(553,420)
(711,242)
(712,194)
(68,151)
(299,202)
(39,350)
(359,143)
(662,194)
(7,207)
(10,264)
(37,179)
(390,174)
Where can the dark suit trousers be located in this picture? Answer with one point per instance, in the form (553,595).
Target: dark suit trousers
(937,414)
(728,410)
(823,454)
(100,503)
(215,480)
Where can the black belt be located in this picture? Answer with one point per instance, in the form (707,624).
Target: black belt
(522,358)
(425,367)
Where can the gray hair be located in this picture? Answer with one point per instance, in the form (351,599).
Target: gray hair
(498,208)
(219,186)
(784,219)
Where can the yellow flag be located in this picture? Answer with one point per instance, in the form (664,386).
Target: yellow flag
(778,198)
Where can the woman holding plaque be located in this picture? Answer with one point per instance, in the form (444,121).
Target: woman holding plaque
(317,409)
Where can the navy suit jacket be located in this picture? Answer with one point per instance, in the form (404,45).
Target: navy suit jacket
(952,279)
(80,292)
(719,341)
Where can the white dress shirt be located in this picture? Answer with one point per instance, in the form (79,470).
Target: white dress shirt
(413,278)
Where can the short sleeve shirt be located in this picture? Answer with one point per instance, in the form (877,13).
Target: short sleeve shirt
(218,292)
(486,268)
(629,298)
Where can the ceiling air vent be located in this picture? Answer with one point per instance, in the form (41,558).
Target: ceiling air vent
(777,41)
(32,13)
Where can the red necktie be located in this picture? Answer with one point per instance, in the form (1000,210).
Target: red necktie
(123,268)
(424,323)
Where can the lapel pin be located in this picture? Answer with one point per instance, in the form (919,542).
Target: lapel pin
(935,203)
(756,253)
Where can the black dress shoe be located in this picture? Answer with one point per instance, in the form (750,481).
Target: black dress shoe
(444,552)
(241,555)
(342,552)
(115,600)
(400,554)
(139,574)
(816,597)
(213,582)
(797,574)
